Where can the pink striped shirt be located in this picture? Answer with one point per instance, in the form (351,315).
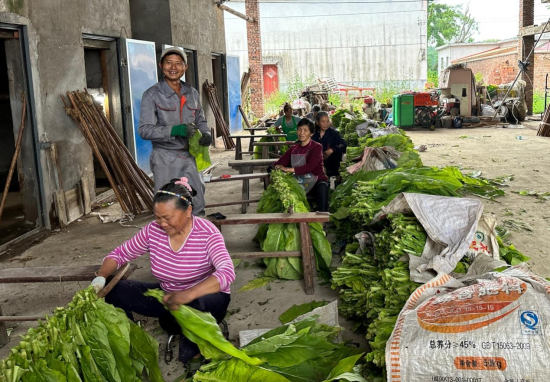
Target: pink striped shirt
(203,254)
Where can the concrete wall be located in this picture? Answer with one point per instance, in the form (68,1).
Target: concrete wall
(199,25)
(356,43)
(55,30)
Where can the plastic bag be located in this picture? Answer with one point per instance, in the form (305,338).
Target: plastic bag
(201,153)
(492,330)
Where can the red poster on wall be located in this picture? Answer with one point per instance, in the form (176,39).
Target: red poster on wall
(271,79)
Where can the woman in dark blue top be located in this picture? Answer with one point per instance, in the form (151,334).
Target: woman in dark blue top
(334,146)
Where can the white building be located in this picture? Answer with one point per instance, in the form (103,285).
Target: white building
(360,44)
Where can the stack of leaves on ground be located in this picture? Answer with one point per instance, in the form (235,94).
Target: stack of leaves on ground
(364,194)
(301,352)
(89,340)
(285,194)
(374,284)
(400,142)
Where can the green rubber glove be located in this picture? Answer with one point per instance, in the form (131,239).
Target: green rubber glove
(179,131)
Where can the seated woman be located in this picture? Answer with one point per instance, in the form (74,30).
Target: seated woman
(188,258)
(313,113)
(305,161)
(334,146)
(287,123)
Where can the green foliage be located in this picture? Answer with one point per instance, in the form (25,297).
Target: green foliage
(433,77)
(297,84)
(449,24)
(89,340)
(301,352)
(335,99)
(538,102)
(432,59)
(479,78)
(275,100)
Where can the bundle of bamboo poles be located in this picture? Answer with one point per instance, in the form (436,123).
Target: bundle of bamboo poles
(132,187)
(221,126)
(544,128)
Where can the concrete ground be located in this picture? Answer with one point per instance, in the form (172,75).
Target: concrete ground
(494,151)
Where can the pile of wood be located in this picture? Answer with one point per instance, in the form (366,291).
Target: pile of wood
(245,82)
(221,126)
(544,128)
(132,187)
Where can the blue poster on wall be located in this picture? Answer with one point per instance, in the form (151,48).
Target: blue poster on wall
(142,73)
(234,92)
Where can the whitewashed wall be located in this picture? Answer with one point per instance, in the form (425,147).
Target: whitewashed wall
(366,44)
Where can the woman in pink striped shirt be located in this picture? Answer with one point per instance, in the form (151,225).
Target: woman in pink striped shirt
(188,258)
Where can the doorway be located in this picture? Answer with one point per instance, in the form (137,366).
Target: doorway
(219,77)
(21,213)
(103,83)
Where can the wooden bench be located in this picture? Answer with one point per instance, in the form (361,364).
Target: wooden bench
(54,274)
(246,197)
(238,146)
(266,145)
(306,252)
(247,167)
(253,130)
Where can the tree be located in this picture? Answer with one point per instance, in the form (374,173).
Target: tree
(449,24)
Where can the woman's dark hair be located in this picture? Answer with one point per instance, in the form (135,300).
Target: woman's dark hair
(316,109)
(306,121)
(181,196)
(286,106)
(318,117)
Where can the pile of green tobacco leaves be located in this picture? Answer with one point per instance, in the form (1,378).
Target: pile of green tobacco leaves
(400,142)
(374,284)
(258,149)
(363,194)
(285,194)
(89,340)
(301,352)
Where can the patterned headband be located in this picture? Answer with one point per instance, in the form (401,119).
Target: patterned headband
(174,194)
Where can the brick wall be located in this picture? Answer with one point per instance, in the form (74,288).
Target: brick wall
(525,45)
(253,36)
(496,70)
(542,68)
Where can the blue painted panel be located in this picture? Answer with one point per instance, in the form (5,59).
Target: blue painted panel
(142,73)
(234,90)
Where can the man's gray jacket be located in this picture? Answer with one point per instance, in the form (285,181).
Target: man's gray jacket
(162,108)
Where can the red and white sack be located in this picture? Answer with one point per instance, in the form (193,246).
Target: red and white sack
(493,329)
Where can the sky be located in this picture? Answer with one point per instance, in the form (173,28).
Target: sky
(498,19)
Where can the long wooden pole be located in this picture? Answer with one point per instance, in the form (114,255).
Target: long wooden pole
(16,154)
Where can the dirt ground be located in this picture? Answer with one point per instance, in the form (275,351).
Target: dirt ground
(494,151)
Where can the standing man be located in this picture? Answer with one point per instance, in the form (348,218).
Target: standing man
(171,113)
